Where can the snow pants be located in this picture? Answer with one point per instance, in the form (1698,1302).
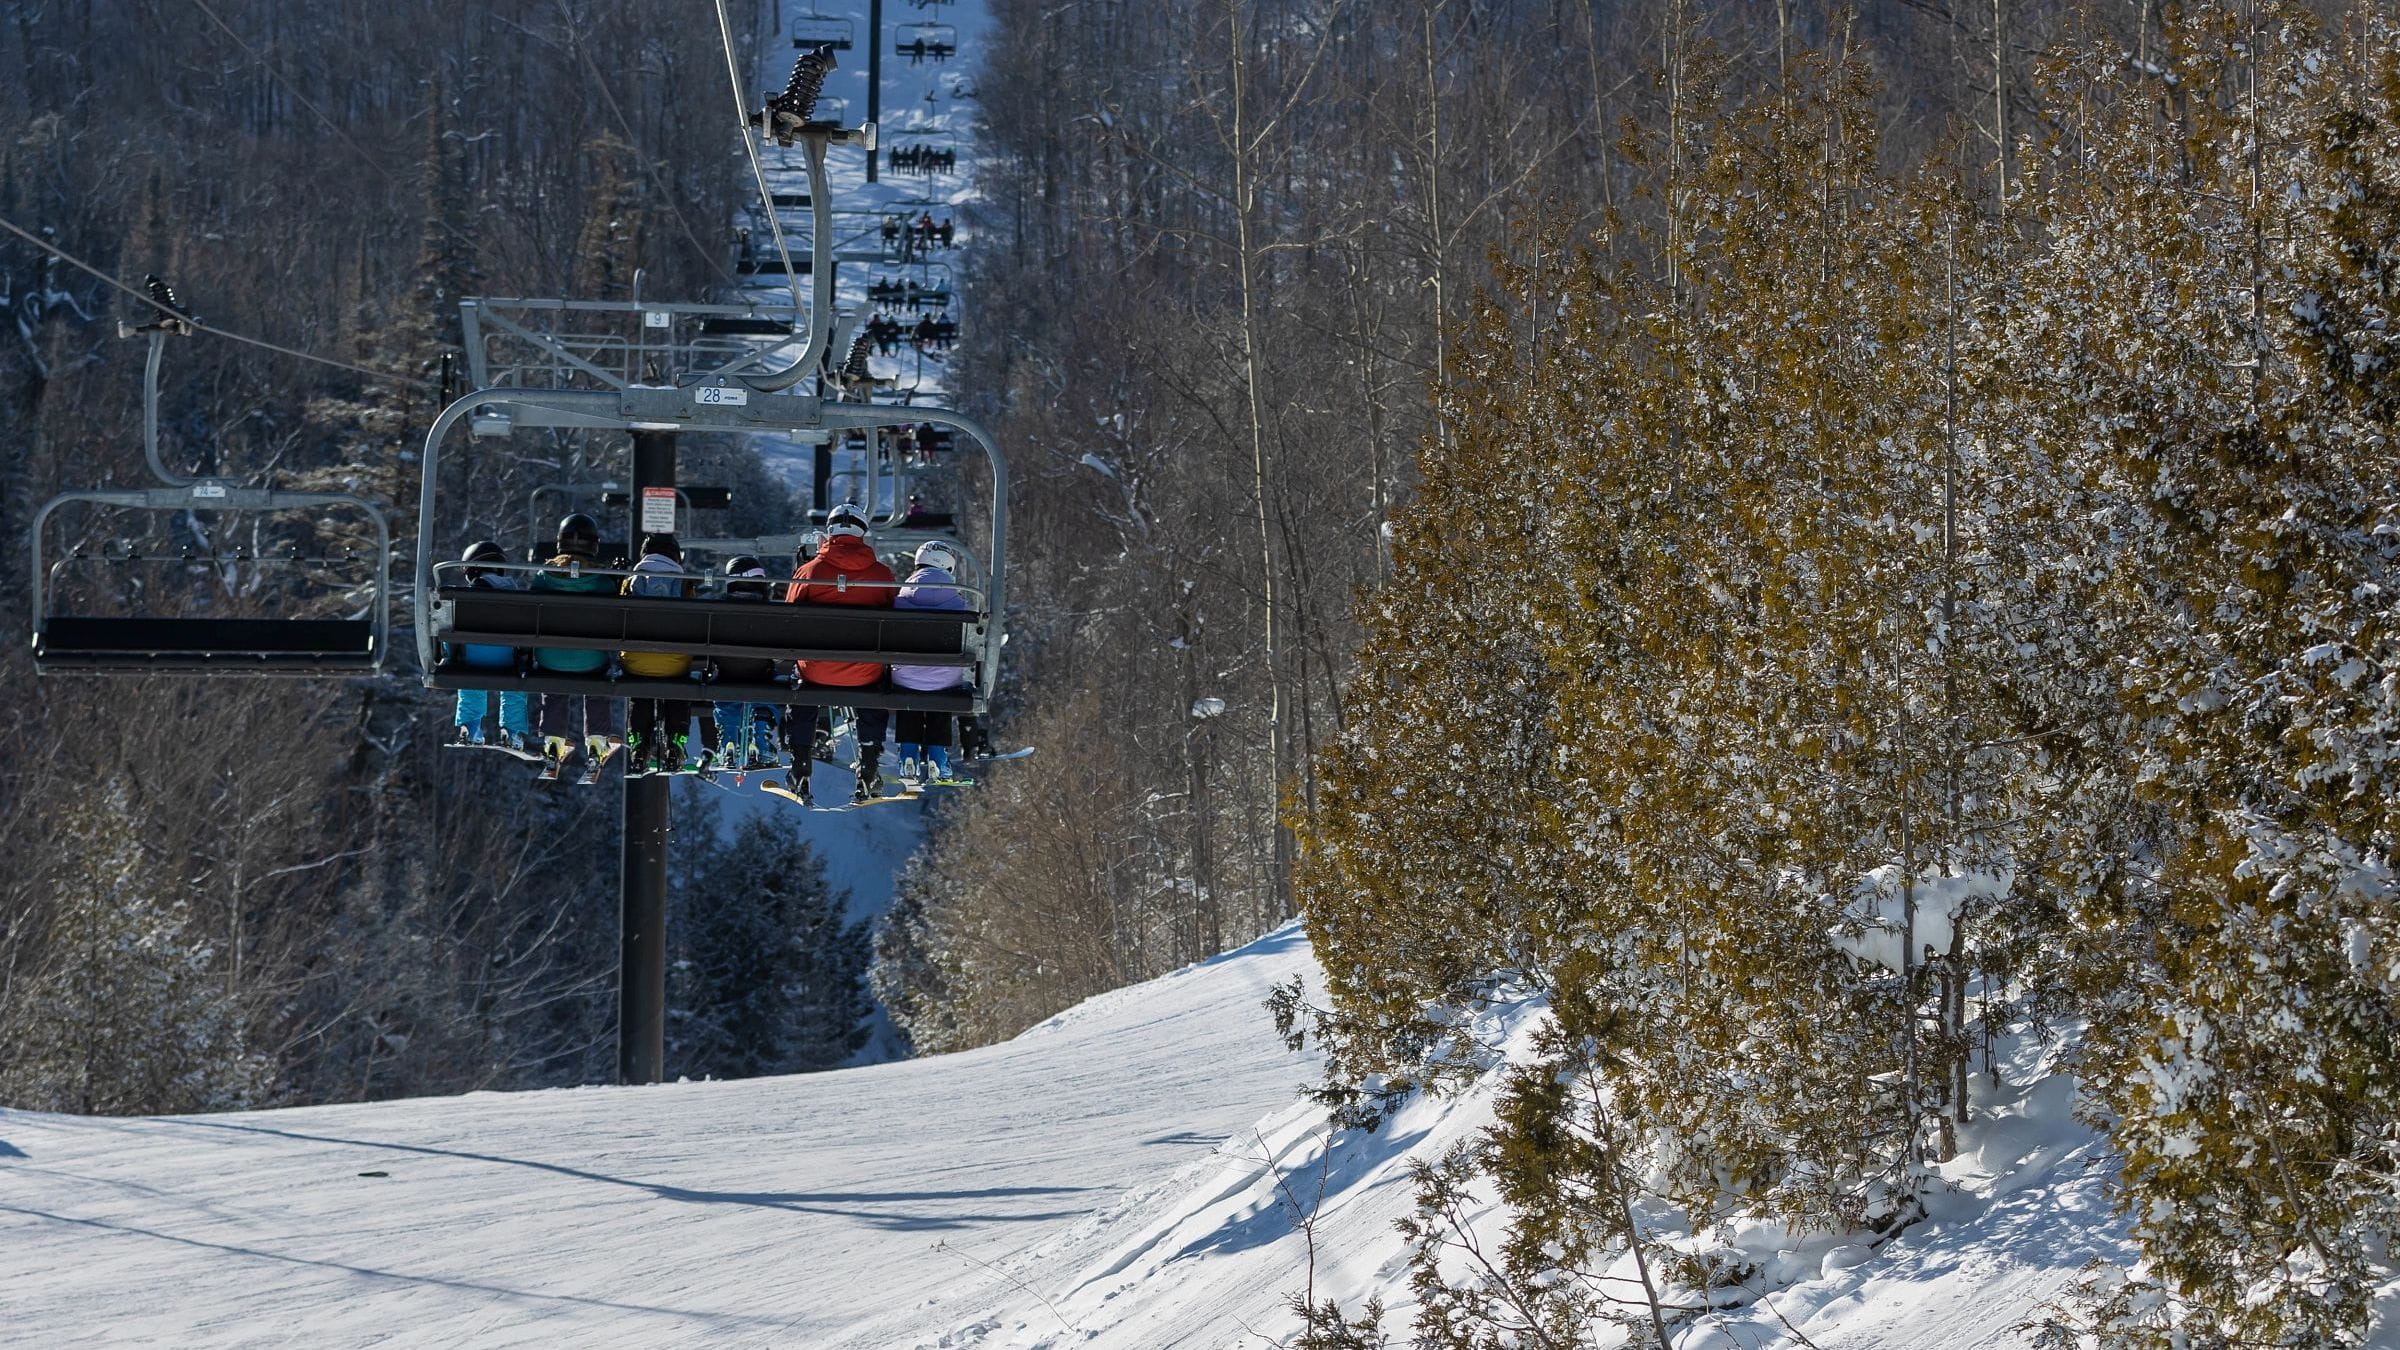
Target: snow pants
(747,729)
(515,710)
(598,715)
(800,728)
(665,718)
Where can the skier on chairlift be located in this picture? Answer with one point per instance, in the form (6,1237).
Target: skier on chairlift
(657,729)
(473,704)
(843,572)
(745,731)
(578,547)
(924,737)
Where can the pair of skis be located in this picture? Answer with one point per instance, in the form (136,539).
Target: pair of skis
(910,790)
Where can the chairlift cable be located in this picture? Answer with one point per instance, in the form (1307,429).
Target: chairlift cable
(758,169)
(293,89)
(72,261)
(672,198)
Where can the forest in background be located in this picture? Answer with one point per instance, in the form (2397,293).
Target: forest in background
(238,892)
(1223,259)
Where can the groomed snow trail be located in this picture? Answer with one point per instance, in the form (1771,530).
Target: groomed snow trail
(882,1206)
(1128,1174)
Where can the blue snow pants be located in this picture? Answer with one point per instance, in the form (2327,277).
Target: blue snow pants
(515,710)
(759,744)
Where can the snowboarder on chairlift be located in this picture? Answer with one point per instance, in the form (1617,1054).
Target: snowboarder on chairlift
(843,572)
(746,731)
(516,723)
(578,547)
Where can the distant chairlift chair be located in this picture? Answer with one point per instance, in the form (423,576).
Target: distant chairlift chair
(811,29)
(921,41)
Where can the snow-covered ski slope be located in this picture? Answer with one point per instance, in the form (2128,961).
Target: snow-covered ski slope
(1127,1174)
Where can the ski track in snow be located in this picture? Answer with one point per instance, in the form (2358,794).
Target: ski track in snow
(793,1211)
(1125,1174)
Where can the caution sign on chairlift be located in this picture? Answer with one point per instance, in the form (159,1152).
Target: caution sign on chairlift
(658,510)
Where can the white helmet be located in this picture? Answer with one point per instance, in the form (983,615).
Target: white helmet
(935,553)
(848,518)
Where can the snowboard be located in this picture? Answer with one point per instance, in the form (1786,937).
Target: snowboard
(871,801)
(528,756)
(780,787)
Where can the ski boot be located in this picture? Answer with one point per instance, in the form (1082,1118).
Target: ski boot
(462,734)
(598,749)
(870,776)
(555,752)
(514,743)
(972,743)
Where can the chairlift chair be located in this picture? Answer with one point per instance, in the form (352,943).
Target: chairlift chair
(811,29)
(71,640)
(453,613)
(921,40)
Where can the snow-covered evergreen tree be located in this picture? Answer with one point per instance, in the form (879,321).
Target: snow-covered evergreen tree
(1923,600)
(126,1013)
(765,976)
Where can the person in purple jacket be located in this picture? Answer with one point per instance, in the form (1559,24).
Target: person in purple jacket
(925,736)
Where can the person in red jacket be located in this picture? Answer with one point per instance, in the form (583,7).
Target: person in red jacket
(833,577)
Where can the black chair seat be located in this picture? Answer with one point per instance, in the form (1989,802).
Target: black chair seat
(776,632)
(71,643)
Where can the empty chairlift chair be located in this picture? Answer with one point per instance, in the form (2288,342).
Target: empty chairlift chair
(811,29)
(71,634)
(87,627)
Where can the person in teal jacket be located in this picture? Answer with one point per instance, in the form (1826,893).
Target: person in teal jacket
(578,543)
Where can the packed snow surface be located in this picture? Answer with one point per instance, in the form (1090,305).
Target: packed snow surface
(1129,1173)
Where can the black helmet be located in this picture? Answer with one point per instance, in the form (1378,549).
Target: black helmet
(665,545)
(482,551)
(749,578)
(579,535)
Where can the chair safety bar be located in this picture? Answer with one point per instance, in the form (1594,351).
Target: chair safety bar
(84,644)
(454,674)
